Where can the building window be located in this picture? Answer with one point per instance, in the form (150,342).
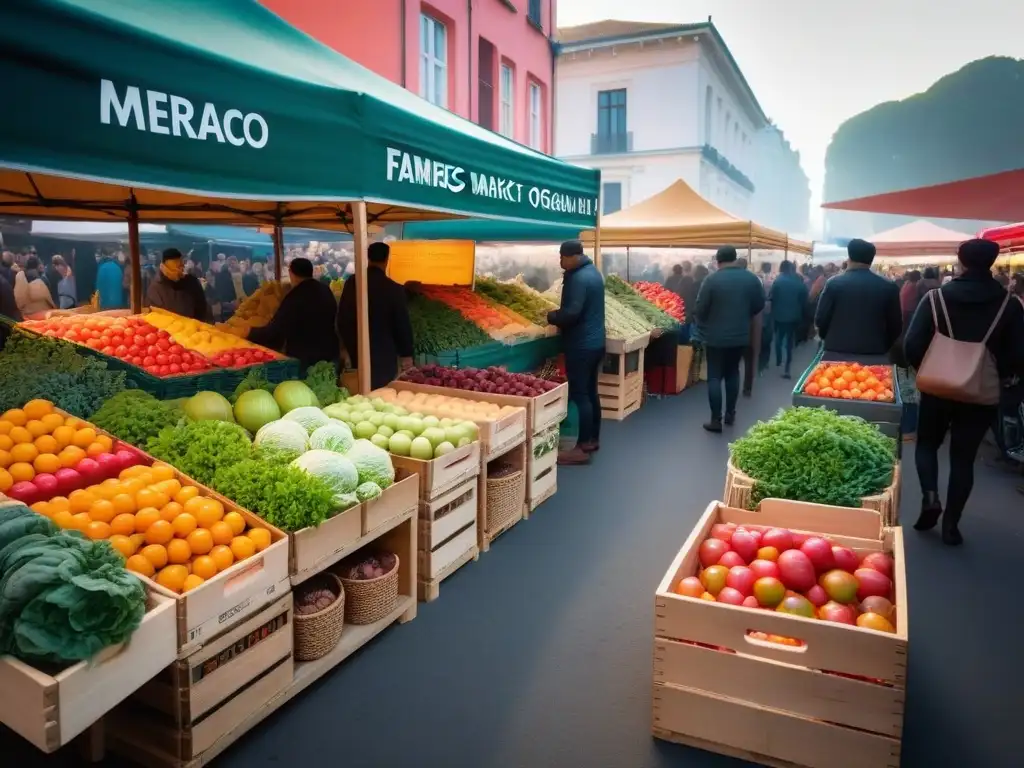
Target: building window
(611,197)
(433,61)
(507,104)
(611,122)
(485,85)
(533,12)
(708,104)
(536,124)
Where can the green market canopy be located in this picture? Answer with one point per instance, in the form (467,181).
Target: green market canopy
(217,111)
(488,231)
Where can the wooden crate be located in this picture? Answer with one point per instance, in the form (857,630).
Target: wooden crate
(620,396)
(444,473)
(489,530)
(541,478)
(182,713)
(837,700)
(623,346)
(50,710)
(496,437)
(739,486)
(448,537)
(684,361)
(459,550)
(396,499)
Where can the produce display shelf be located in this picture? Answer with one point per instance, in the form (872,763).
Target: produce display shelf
(488,530)
(447,536)
(622,346)
(440,475)
(838,699)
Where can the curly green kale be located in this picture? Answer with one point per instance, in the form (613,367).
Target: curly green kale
(136,416)
(322,378)
(199,448)
(284,496)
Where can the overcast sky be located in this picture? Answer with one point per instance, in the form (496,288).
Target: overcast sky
(814,63)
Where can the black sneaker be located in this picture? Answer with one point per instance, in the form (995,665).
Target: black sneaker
(715,425)
(931,511)
(730,419)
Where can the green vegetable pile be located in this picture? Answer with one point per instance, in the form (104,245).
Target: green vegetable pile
(322,378)
(630,299)
(40,367)
(621,322)
(200,448)
(284,496)
(135,416)
(815,455)
(63,598)
(438,328)
(530,306)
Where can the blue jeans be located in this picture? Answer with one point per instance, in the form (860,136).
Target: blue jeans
(723,367)
(785,338)
(582,368)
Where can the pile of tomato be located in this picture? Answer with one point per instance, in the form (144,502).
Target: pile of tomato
(850,381)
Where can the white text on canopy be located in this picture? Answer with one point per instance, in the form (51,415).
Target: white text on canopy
(174,116)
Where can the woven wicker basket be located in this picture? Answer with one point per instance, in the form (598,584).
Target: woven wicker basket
(371,600)
(739,487)
(316,634)
(505,498)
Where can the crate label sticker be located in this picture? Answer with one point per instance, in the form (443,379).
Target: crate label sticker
(230,613)
(236,649)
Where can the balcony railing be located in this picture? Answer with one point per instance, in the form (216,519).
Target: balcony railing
(611,143)
(718,160)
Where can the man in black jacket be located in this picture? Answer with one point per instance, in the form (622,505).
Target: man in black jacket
(859,312)
(303,326)
(8,308)
(176,291)
(390,328)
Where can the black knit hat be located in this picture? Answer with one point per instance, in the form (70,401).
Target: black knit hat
(978,254)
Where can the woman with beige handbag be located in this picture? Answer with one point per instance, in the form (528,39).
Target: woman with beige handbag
(964,339)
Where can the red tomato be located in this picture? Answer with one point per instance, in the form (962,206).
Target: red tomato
(108,350)
(161,370)
(151,339)
(135,360)
(121,350)
(161,359)
(149,361)
(174,358)
(176,349)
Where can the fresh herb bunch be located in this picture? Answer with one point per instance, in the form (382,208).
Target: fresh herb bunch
(322,378)
(532,307)
(438,328)
(620,322)
(284,496)
(815,455)
(136,416)
(630,299)
(40,367)
(199,448)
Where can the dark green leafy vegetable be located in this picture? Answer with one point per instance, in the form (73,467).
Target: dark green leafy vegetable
(816,455)
(438,328)
(199,448)
(136,416)
(322,378)
(40,367)
(531,306)
(284,496)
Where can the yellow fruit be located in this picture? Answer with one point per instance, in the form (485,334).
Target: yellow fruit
(221,533)
(127,474)
(63,519)
(37,409)
(84,437)
(204,566)
(81,521)
(123,545)
(102,511)
(20,435)
(58,503)
(170,487)
(5,427)
(123,524)
(209,511)
(178,551)
(15,416)
(170,510)
(235,521)
(82,501)
(5,459)
(52,422)
(21,472)
(148,497)
(46,444)
(139,540)
(187,492)
(6,481)
(25,452)
(104,442)
(200,541)
(162,472)
(36,428)
(191,582)
(172,577)
(145,517)
(46,462)
(242,547)
(183,525)
(94,449)
(156,554)
(5,440)
(63,435)
(97,531)
(43,508)
(124,504)
(160,532)
(223,557)
(139,564)
(70,456)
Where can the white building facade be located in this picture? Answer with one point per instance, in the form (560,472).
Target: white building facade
(648,104)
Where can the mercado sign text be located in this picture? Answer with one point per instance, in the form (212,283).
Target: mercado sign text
(158,112)
(408,168)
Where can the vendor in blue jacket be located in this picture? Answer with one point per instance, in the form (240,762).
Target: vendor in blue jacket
(581,321)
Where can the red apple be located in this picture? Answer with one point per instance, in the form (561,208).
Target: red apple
(880,561)
(723,531)
(796,570)
(745,545)
(768,553)
(762,568)
(713,578)
(872,583)
(711,550)
(780,538)
(769,591)
(846,559)
(730,596)
(817,596)
(741,578)
(837,612)
(731,559)
(819,551)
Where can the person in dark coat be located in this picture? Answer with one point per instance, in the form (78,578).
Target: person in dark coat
(929,280)
(7,267)
(789,300)
(391,340)
(909,297)
(858,311)
(580,318)
(8,308)
(974,301)
(176,291)
(303,325)
(680,282)
(727,303)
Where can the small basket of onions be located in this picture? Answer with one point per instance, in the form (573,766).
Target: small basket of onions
(371,586)
(319,616)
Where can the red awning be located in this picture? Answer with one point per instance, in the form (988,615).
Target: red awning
(996,197)
(1009,236)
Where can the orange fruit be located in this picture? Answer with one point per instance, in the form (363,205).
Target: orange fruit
(194,504)
(70,456)
(223,557)
(6,481)
(183,525)
(876,622)
(260,537)
(156,554)
(132,486)
(58,503)
(160,532)
(210,511)
(20,435)
(139,564)
(172,577)
(94,450)
(102,511)
(46,462)
(123,545)
(21,472)
(46,444)
(191,582)
(170,487)
(127,474)
(236,522)
(5,440)
(84,437)
(162,472)
(170,510)
(26,452)
(178,551)
(139,540)
(5,427)
(36,428)
(105,441)
(74,422)
(43,508)
(5,459)
(52,421)
(200,541)
(145,517)
(15,416)
(63,435)
(187,492)
(205,567)
(63,519)
(37,409)
(97,530)
(108,489)
(147,497)
(242,547)
(82,501)
(221,533)
(123,524)
(123,503)
(81,520)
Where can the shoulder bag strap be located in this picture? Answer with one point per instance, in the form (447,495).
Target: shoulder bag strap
(995,322)
(935,317)
(945,313)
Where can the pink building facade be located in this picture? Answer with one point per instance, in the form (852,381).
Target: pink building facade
(490,61)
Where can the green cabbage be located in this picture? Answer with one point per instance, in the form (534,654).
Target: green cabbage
(373,463)
(309,417)
(333,436)
(367,491)
(255,409)
(294,394)
(333,468)
(282,435)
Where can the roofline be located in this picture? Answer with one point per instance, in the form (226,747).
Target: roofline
(700,28)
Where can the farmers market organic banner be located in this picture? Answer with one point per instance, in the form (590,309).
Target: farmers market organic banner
(223,98)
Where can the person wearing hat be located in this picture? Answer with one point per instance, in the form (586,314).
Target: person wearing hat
(858,311)
(580,318)
(728,301)
(303,325)
(176,291)
(391,339)
(976,308)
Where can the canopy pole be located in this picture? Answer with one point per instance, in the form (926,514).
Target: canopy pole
(278,251)
(597,242)
(627,263)
(359,243)
(134,262)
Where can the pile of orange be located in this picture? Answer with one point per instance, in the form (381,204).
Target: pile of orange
(36,438)
(851,381)
(166,531)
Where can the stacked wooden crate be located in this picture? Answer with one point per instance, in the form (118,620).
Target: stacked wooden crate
(620,384)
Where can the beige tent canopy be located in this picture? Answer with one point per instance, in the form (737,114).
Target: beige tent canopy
(678,216)
(918,238)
